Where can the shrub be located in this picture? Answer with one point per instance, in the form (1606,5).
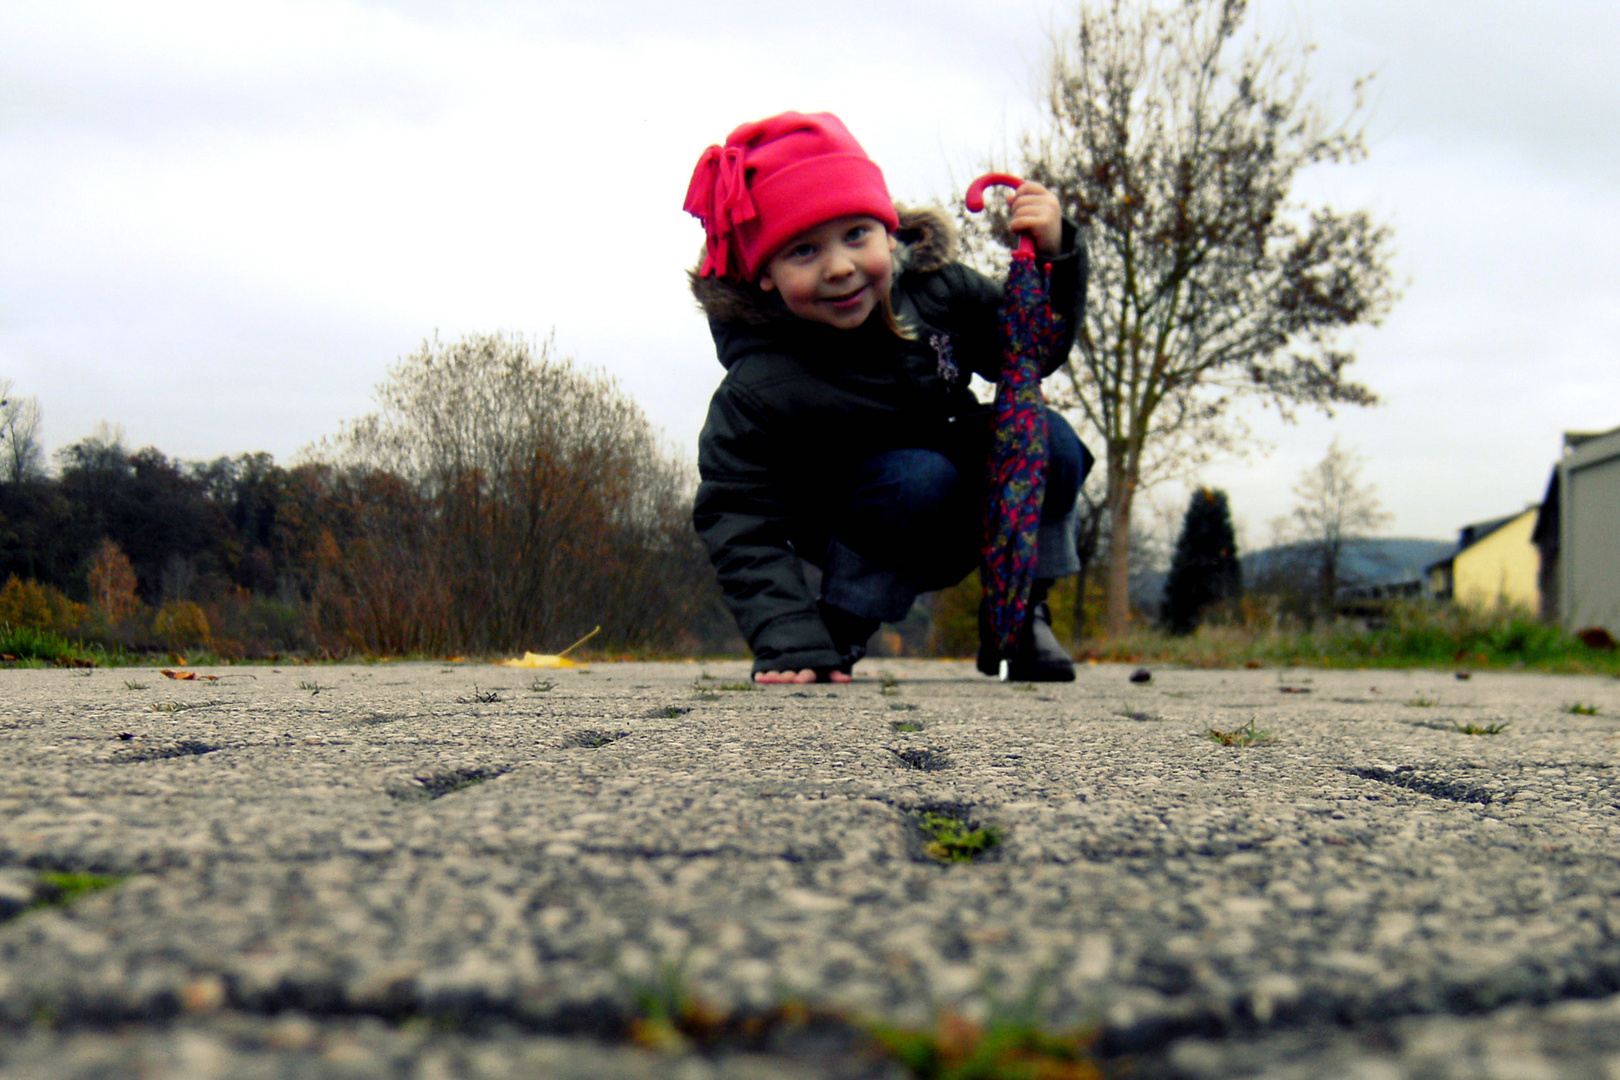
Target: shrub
(180,624)
(32,606)
(954,630)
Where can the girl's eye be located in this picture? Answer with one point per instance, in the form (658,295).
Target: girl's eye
(801,251)
(857,234)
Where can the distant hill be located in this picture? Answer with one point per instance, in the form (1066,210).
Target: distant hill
(1376,561)
(1367,562)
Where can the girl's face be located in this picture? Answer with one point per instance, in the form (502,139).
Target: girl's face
(835,273)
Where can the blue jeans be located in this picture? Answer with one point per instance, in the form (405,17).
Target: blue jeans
(913,522)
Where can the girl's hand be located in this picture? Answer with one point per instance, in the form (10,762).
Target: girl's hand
(1036,211)
(808,675)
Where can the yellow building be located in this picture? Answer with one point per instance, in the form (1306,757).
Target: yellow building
(1496,565)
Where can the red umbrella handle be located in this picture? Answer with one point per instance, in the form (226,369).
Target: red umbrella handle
(975,202)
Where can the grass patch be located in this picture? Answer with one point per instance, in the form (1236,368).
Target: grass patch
(541,686)
(173,706)
(952,840)
(24,644)
(1247,735)
(1005,1048)
(134,684)
(61,888)
(312,686)
(481,697)
(669,1017)
(1413,635)
(738,686)
(904,726)
(1471,728)
(1576,708)
(1423,702)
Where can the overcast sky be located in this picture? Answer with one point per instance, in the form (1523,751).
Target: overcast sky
(221,223)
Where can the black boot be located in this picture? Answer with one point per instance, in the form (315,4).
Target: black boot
(1038,656)
(849,633)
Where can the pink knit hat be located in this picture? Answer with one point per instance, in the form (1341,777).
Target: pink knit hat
(774,179)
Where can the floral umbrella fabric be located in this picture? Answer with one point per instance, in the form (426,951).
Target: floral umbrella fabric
(1030,330)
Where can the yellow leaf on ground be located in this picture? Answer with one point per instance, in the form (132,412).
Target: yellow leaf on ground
(530,659)
(551,659)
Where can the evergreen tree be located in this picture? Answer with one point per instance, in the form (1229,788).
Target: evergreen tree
(1205,569)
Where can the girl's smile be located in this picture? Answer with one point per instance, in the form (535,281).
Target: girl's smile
(835,273)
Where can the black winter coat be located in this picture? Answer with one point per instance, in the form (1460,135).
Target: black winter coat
(802,404)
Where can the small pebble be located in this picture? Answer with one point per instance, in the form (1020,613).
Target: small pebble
(1141,675)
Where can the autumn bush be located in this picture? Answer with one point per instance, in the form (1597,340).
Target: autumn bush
(32,606)
(180,624)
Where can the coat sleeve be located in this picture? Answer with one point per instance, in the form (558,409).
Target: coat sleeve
(743,518)
(979,299)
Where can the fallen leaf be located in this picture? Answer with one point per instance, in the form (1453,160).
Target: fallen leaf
(537,660)
(187,676)
(551,660)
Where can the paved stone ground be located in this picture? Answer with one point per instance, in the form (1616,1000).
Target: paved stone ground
(426,870)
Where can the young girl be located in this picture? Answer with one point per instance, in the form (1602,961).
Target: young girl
(844,433)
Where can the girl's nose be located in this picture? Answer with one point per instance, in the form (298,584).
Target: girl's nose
(839,264)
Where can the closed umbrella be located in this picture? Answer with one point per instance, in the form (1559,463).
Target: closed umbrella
(1030,329)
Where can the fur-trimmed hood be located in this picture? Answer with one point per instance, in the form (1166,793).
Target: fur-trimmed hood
(927,242)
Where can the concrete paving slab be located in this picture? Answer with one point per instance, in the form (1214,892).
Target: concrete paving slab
(458,869)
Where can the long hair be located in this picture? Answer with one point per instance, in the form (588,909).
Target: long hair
(899,327)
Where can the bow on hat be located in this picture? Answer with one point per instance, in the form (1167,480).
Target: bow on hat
(718,196)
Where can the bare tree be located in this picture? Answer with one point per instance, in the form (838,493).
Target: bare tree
(1334,509)
(1176,145)
(504,497)
(21,454)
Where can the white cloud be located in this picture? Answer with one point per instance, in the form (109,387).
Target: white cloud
(220,223)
